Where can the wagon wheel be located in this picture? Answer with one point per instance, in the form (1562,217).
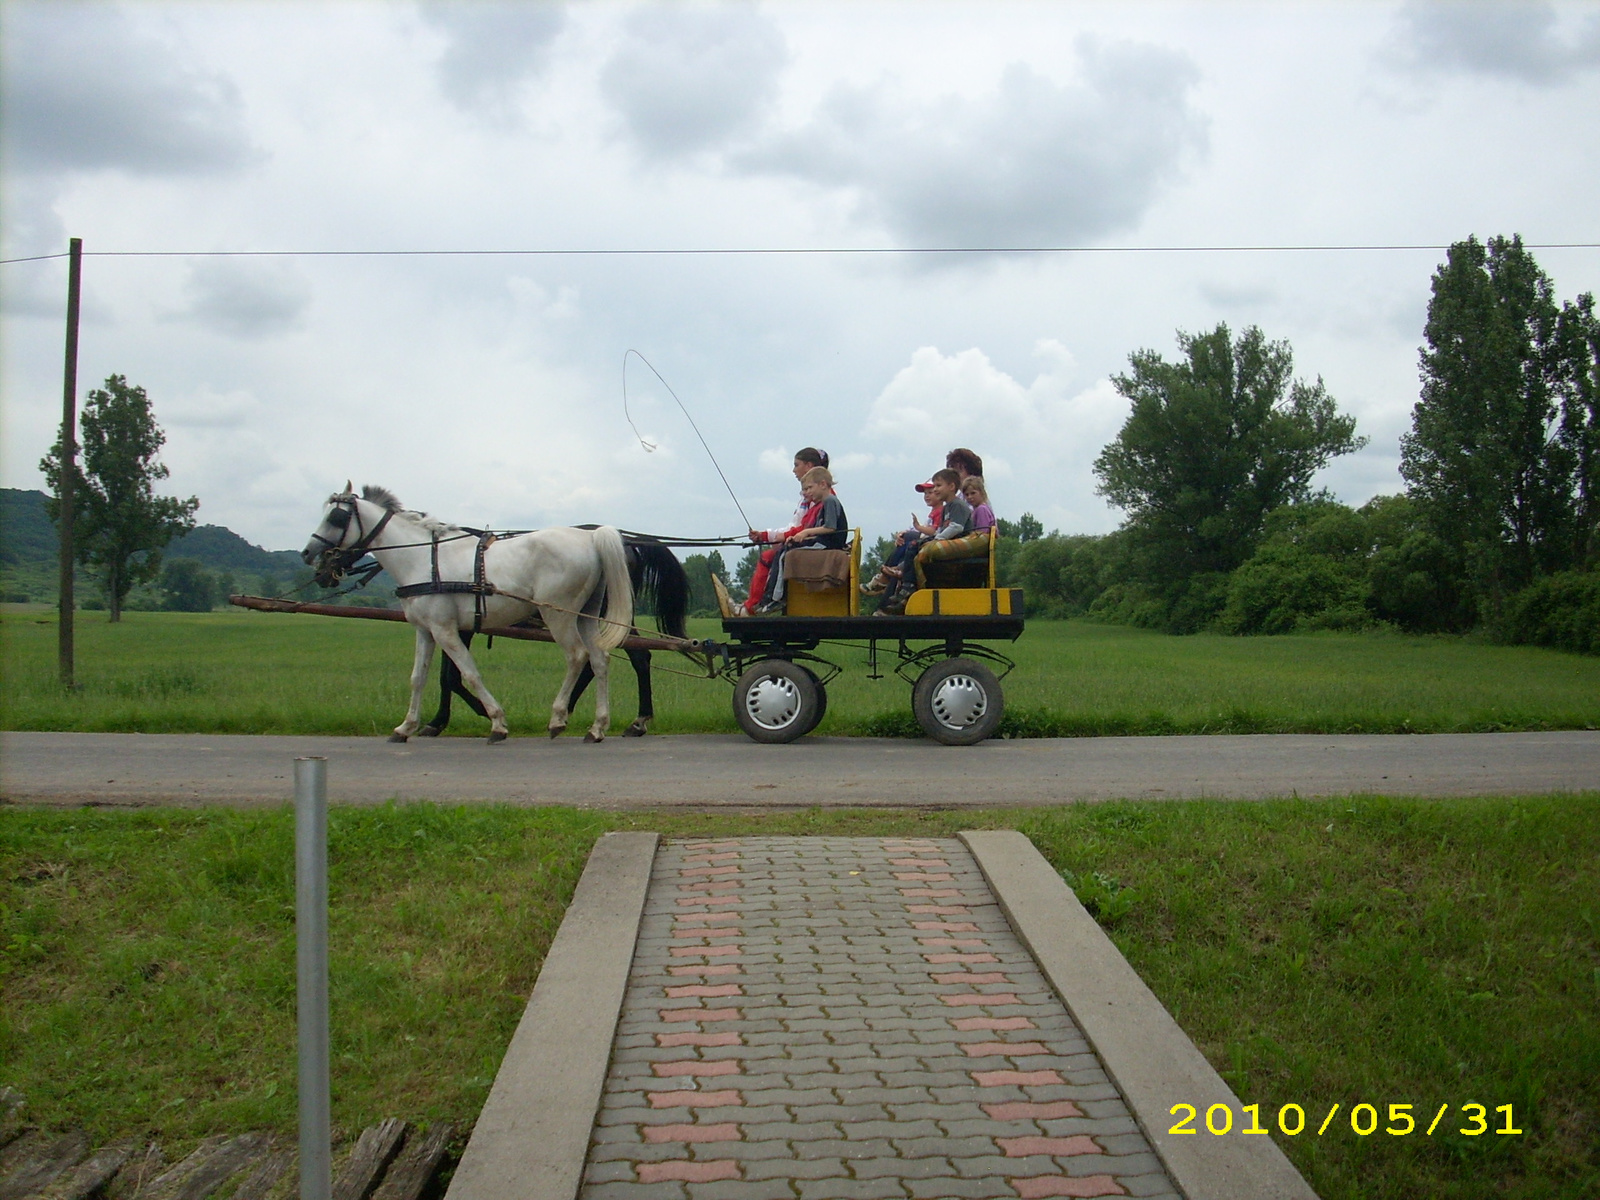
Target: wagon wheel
(821,709)
(777,701)
(958,701)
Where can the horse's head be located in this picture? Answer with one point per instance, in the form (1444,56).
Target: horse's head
(327,550)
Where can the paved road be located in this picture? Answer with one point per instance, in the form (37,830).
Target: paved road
(731,771)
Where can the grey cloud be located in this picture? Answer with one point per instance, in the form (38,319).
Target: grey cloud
(492,47)
(1518,40)
(244,299)
(83,89)
(1032,162)
(688,79)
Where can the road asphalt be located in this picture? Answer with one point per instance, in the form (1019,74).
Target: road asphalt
(729,771)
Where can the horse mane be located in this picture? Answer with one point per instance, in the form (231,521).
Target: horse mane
(388,500)
(382,496)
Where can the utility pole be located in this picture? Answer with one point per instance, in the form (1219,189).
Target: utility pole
(69,457)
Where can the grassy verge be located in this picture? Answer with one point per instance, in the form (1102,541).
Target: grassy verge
(243,672)
(1367,950)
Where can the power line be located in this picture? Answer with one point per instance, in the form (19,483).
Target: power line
(779,250)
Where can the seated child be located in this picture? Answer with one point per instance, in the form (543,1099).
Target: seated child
(978,496)
(804,460)
(904,541)
(823,527)
(951,540)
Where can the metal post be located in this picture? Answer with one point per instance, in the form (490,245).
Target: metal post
(311,960)
(69,460)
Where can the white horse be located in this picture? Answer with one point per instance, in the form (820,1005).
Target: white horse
(452,579)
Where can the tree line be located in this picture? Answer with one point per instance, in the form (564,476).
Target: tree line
(1498,529)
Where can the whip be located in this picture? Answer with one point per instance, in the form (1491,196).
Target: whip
(650,447)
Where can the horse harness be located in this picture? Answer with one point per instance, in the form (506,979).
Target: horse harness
(478,586)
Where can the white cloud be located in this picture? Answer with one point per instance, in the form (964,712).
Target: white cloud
(688,78)
(1523,40)
(241,298)
(492,48)
(1032,162)
(1038,438)
(84,90)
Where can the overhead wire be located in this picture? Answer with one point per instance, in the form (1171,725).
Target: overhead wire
(603,252)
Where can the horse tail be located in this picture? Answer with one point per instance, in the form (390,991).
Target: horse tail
(661,585)
(617,619)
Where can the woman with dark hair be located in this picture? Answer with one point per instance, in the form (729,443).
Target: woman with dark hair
(964,460)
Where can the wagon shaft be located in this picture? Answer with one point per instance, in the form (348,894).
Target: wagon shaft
(524,633)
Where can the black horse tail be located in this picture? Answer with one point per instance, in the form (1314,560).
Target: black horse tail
(660,584)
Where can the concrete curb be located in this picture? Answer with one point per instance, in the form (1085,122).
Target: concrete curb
(1151,1060)
(532,1137)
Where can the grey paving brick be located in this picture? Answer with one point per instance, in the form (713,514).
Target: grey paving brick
(941,1189)
(735,1189)
(922,1147)
(852,1189)
(856,1153)
(798,1168)
(635,1191)
(903,1168)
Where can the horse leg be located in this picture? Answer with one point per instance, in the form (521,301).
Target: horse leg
(600,663)
(640,660)
(450,642)
(450,685)
(419,677)
(564,629)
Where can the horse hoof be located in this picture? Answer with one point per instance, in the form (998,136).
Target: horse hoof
(398,737)
(557,730)
(496,737)
(591,737)
(428,731)
(636,730)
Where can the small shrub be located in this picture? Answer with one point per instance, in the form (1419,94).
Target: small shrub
(1561,610)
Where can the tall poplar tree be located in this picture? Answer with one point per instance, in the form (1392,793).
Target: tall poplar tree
(122,525)
(1486,458)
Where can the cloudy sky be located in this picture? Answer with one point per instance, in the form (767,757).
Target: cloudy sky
(489,388)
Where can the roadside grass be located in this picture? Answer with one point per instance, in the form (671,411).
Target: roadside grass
(246,672)
(1364,950)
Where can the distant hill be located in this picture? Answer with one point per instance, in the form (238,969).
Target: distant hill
(28,538)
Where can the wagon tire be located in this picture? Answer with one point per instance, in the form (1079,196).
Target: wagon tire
(958,702)
(776,701)
(822,701)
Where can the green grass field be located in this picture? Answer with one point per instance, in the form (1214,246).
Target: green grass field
(1319,952)
(246,672)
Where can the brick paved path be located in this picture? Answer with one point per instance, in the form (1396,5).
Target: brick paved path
(823,1018)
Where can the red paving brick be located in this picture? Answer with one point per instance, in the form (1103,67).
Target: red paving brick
(705,1172)
(1056,1147)
(726,1132)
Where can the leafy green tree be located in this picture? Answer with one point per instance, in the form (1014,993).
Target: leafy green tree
(1578,384)
(1025,528)
(1211,445)
(121,525)
(745,571)
(1485,458)
(186,586)
(700,568)
(1309,572)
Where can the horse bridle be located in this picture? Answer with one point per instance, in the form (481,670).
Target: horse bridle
(338,556)
(340,518)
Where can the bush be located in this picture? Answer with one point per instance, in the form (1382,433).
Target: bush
(1310,572)
(1561,610)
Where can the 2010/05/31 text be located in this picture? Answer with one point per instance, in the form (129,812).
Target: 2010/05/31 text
(1364,1120)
